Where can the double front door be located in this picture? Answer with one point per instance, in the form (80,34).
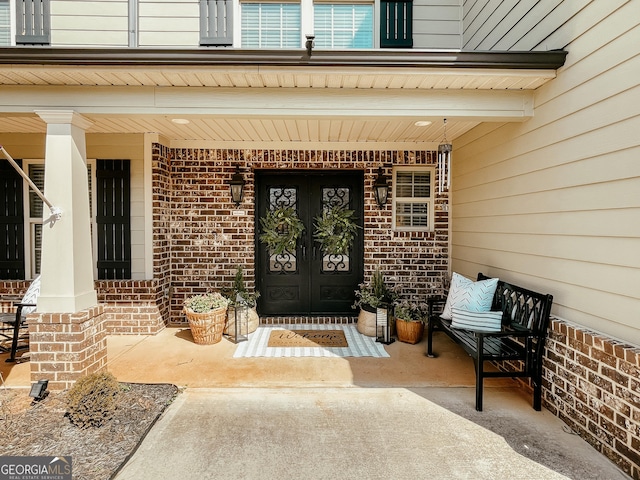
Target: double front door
(305,280)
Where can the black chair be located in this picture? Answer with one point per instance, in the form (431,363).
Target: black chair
(14,334)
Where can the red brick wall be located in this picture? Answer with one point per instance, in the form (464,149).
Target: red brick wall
(131,306)
(207,243)
(161,227)
(593,384)
(67,346)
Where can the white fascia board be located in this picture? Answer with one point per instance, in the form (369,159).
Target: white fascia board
(481,105)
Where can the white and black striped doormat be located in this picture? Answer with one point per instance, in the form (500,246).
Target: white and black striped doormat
(358,345)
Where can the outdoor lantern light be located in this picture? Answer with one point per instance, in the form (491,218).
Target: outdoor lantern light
(444,162)
(381,188)
(383,325)
(237,186)
(309,44)
(241,319)
(39,390)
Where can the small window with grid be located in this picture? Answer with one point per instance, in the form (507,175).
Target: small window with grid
(413,198)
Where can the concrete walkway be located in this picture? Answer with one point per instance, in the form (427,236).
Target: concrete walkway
(407,416)
(360,433)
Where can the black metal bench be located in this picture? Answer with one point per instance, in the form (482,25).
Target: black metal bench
(517,348)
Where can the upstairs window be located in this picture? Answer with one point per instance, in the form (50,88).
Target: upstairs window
(342,26)
(413,198)
(5,23)
(271,25)
(33,22)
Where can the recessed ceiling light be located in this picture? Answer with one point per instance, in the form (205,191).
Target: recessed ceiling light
(422,123)
(180,121)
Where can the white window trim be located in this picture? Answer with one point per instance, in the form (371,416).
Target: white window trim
(12,22)
(29,223)
(306,18)
(430,201)
(29,267)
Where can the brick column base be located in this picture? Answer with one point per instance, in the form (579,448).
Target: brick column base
(67,346)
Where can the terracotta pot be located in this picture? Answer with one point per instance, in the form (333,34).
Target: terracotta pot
(409,332)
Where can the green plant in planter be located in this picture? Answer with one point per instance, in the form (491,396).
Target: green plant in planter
(238,293)
(206,302)
(335,230)
(375,293)
(410,311)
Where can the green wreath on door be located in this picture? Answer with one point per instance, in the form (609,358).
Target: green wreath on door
(281,230)
(335,230)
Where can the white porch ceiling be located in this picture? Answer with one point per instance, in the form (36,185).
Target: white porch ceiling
(317,101)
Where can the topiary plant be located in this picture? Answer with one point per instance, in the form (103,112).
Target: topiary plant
(93,400)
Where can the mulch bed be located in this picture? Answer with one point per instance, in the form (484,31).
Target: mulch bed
(42,429)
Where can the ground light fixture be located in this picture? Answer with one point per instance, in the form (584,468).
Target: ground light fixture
(236,184)
(381,188)
(39,390)
(383,325)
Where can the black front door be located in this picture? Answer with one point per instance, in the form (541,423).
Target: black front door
(306,280)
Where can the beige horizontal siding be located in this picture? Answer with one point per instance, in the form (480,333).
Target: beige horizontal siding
(169,23)
(91,23)
(553,203)
(437,24)
(169,39)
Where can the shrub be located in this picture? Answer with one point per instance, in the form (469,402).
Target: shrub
(206,303)
(93,400)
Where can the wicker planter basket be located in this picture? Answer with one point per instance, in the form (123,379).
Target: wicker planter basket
(367,321)
(206,327)
(409,332)
(253,320)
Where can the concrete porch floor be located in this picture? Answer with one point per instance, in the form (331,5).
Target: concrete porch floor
(357,396)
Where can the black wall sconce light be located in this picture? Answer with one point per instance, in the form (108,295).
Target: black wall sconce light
(309,44)
(381,188)
(236,184)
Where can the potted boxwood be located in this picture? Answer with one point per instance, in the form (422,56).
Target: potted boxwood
(239,296)
(369,297)
(206,314)
(409,319)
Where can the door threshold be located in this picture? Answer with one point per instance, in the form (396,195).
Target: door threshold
(313,320)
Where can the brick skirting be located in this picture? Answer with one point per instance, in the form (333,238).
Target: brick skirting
(592,383)
(132,307)
(67,346)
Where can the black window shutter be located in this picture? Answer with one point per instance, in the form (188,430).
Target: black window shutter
(33,22)
(216,22)
(113,219)
(396,24)
(11,223)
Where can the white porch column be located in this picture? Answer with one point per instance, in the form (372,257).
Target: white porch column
(67,264)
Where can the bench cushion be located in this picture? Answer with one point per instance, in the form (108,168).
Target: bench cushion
(477,321)
(469,295)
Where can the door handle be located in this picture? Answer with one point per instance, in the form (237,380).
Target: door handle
(304,252)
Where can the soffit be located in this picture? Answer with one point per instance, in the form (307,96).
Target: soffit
(369,71)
